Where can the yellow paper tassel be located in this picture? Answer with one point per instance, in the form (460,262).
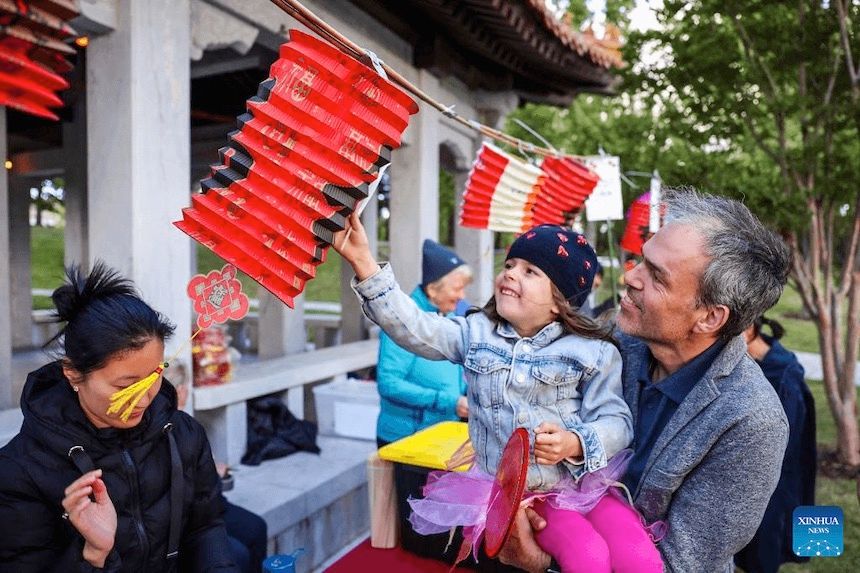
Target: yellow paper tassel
(133,394)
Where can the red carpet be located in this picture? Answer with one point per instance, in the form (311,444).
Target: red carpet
(366,558)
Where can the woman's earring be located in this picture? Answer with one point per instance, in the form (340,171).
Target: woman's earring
(75,388)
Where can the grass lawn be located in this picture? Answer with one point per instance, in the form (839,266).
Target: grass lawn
(47,269)
(833,492)
(324,287)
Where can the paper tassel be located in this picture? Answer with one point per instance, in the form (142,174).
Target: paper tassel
(133,394)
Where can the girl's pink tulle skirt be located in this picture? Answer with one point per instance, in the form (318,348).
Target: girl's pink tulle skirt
(454,499)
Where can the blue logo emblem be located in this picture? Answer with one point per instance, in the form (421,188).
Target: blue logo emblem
(817,531)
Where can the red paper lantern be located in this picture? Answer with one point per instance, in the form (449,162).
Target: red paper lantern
(500,193)
(33,51)
(637,230)
(506,194)
(313,138)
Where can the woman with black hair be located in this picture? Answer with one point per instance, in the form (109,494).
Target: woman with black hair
(82,489)
(771,546)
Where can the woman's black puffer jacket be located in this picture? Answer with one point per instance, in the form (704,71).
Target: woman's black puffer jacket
(35,469)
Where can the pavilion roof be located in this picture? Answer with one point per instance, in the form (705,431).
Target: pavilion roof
(503,44)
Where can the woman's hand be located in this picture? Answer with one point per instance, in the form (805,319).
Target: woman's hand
(95,519)
(553,444)
(462,408)
(353,246)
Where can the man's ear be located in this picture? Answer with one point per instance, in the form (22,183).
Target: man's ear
(712,320)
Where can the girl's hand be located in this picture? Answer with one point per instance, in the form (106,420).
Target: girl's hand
(554,444)
(462,409)
(353,246)
(95,519)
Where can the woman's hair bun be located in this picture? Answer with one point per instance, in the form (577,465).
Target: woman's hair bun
(81,290)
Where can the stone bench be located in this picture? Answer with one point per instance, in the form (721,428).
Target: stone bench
(222,409)
(315,501)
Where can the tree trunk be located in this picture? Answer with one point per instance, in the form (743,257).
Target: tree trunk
(847,438)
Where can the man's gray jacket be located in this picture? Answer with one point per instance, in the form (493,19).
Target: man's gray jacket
(716,463)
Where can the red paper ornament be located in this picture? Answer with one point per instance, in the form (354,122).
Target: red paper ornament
(33,51)
(637,230)
(313,139)
(217,297)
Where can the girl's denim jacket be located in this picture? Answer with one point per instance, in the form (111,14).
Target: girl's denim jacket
(515,382)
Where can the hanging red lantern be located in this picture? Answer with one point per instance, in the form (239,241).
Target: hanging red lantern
(637,229)
(504,193)
(500,193)
(314,137)
(33,52)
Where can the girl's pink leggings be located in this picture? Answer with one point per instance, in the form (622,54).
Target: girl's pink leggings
(610,538)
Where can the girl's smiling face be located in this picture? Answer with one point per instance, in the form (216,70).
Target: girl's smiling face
(122,370)
(524,298)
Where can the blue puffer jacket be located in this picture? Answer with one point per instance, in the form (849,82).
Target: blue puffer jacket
(415,392)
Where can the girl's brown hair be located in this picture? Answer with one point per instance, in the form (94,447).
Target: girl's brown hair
(572,321)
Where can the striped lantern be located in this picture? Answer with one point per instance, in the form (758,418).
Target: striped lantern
(311,142)
(500,193)
(504,193)
(33,52)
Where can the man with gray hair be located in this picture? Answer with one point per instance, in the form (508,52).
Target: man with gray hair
(709,430)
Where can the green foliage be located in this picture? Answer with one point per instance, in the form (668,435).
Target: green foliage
(762,95)
(841,492)
(447,207)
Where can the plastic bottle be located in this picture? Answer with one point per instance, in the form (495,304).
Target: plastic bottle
(282,563)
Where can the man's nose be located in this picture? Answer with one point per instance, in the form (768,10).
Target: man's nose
(632,277)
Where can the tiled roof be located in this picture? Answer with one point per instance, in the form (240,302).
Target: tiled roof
(605,52)
(503,44)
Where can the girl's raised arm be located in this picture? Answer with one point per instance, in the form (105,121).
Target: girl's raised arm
(426,334)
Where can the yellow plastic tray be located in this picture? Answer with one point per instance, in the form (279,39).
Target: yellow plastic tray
(430,448)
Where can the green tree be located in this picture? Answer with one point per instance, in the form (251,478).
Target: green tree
(759,100)
(773,86)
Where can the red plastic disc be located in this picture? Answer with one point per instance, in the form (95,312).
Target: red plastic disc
(507,492)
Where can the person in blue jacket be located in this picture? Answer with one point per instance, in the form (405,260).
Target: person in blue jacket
(771,545)
(415,392)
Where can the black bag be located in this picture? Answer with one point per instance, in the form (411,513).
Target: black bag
(273,431)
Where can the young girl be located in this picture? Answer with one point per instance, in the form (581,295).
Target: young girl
(83,489)
(530,361)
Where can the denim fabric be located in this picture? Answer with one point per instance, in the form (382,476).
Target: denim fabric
(515,382)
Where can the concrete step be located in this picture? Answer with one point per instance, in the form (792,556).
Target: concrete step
(318,502)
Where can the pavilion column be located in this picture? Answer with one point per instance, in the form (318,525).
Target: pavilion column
(415,191)
(138,129)
(281,332)
(19,261)
(473,245)
(7,400)
(75,175)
